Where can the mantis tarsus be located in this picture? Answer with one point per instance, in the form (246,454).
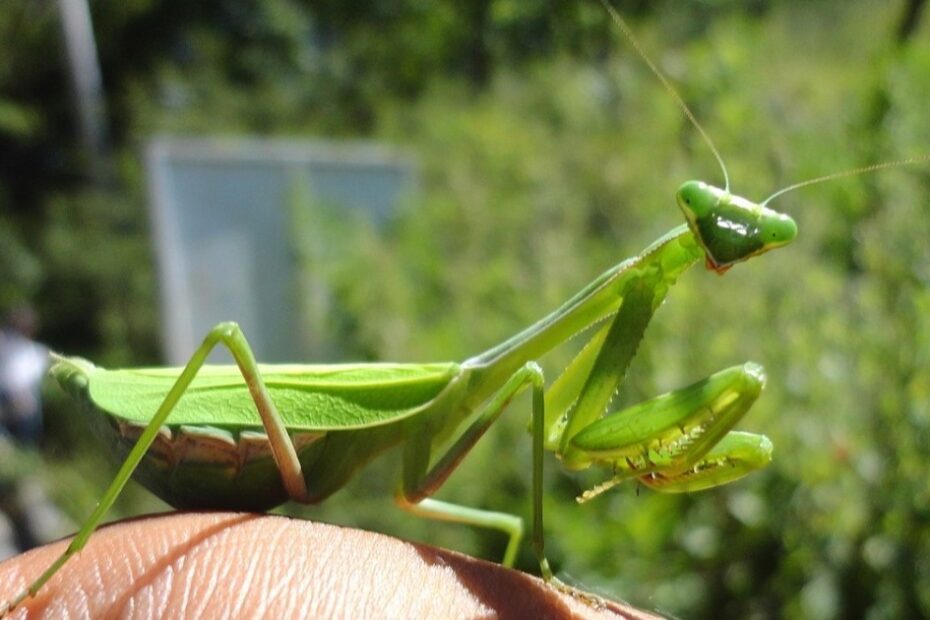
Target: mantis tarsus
(316,425)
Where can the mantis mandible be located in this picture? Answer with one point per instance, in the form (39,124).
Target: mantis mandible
(252,436)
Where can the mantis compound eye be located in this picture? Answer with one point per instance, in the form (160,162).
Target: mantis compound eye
(777,229)
(697,199)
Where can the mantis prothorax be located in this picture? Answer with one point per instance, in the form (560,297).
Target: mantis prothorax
(251,436)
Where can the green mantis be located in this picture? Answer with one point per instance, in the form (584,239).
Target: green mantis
(252,436)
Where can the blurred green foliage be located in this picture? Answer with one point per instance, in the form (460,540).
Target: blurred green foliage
(548,153)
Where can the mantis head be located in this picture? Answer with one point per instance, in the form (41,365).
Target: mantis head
(731,228)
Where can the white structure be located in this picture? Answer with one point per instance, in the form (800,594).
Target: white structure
(223,214)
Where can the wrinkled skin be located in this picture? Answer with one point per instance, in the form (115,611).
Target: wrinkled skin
(246,565)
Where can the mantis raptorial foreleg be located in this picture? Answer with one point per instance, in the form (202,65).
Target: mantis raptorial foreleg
(668,442)
(614,357)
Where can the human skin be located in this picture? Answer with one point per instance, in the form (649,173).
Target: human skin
(229,565)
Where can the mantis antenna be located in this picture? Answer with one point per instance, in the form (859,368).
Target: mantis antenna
(848,173)
(628,33)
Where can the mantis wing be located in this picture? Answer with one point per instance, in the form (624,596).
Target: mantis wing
(309,398)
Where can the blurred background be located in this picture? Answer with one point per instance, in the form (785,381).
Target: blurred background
(526,149)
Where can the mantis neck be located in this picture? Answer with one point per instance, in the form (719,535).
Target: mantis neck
(660,264)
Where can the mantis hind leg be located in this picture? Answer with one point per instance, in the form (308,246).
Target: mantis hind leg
(230,335)
(419,481)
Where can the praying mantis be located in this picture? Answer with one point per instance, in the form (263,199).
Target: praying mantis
(251,436)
